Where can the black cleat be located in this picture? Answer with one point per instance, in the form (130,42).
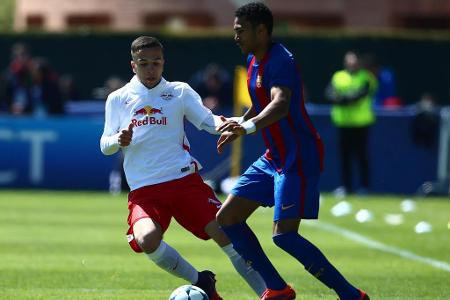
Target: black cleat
(207,282)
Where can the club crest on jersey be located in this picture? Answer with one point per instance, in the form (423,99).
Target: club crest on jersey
(166,96)
(259,81)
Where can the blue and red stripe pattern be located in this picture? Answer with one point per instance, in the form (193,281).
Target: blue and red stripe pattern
(292,142)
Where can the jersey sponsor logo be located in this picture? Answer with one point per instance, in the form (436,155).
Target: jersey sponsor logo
(284,207)
(166,96)
(259,81)
(149,121)
(148,110)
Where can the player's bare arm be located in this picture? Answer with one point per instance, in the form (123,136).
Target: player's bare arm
(126,136)
(277,109)
(274,111)
(228,136)
(250,113)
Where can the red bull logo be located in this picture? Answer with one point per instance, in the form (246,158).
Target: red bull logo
(149,121)
(148,110)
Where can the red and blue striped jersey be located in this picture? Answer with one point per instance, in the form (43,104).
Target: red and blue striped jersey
(292,142)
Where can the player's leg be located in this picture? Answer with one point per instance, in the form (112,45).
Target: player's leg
(149,217)
(314,261)
(303,202)
(255,183)
(197,213)
(362,156)
(148,235)
(253,278)
(346,145)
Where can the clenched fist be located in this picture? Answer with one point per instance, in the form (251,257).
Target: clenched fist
(126,135)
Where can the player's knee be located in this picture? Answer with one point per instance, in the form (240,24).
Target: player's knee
(149,242)
(283,240)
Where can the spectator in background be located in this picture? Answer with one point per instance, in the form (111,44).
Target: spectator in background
(425,125)
(351,91)
(68,88)
(31,85)
(111,84)
(18,81)
(386,93)
(45,95)
(213,84)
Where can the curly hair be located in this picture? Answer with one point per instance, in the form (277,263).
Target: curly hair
(256,13)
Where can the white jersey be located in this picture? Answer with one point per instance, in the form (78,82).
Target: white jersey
(159,150)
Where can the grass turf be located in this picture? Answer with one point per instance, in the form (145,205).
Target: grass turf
(71,245)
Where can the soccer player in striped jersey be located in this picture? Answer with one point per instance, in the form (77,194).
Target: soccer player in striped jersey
(287,175)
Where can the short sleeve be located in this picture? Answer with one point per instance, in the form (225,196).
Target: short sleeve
(283,73)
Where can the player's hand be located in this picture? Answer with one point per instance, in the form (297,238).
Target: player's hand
(126,136)
(225,138)
(230,126)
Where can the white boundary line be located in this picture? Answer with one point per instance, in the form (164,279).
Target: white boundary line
(379,246)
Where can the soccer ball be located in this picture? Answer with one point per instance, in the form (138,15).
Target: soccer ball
(188,292)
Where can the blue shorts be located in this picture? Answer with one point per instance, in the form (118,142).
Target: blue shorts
(293,194)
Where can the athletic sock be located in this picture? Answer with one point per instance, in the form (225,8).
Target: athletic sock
(249,274)
(170,260)
(247,245)
(316,263)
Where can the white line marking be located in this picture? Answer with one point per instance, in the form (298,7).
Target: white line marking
(380,246)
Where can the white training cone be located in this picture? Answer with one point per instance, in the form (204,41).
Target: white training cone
(423,227)
(341,209)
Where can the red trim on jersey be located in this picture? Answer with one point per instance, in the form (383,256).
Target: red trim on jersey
(299,169)
(268,154)
(274,129)
(319,142)
(186,147)
(249,72)
(195,166)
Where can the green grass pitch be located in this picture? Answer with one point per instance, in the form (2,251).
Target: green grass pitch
(71,245)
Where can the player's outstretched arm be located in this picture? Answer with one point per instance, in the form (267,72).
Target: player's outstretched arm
(277,109)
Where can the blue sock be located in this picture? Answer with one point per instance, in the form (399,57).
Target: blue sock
(247,245)
(316,263)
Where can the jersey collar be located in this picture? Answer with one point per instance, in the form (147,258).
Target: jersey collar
(139,88)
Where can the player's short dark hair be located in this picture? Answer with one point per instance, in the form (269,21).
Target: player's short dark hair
(256,13)
(144,42)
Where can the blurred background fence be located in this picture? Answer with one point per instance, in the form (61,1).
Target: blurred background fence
(421,62)
(87,47)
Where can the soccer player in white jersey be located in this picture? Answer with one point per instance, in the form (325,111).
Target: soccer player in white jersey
(145,119)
